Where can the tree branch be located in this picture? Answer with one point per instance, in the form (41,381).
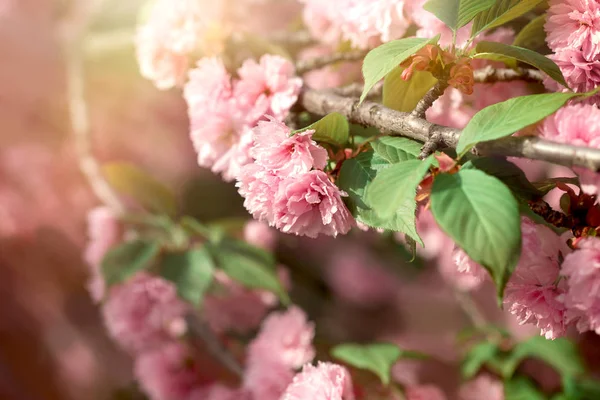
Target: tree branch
(430,97)
(391,122)
(490,74)
(320,62)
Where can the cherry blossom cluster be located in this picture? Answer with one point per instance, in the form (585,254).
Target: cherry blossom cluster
(223,110)
(286,185)
(573,31)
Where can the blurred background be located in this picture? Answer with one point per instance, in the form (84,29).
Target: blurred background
(52,342)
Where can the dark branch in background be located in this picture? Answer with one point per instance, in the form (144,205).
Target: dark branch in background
(320,62)
(391,122)
(293,39)
(490,74)
(198,329)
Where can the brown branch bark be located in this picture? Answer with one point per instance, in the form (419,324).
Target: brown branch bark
(391,122)
(320,62)
(490,74)
(430,97)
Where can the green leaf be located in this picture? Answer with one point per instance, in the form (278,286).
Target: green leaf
(502,12)
(477,357)
(480,213)
(355,179)
(377,358)
(522,388)
(129,180)
(533,35)
(249,265)
(546,185)
(561,354)
(123,261)
(191,272)
(511,175)
(401,95)
(383,59)
(581,389)
(396,149)
(396,187)
(332,128)
(504,119)
(527,56)
(457,13)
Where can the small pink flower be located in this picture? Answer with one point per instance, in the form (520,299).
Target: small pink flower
(582,268)
(266,378)
(579,125)
(483,387)
(469,275)
(574,24)
(269,87)
(104,231)
(276,150)
(139,314)
(168,373)
(326,381)
(581,75)
(258,187)
(259,234)
(285,337)
(424,392)
(309,205)
(533,293)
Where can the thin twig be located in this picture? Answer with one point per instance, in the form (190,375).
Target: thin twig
(490,74)
(294,39)
(199,329)
(391,122)
(80,125)
(430,97)
(320,62)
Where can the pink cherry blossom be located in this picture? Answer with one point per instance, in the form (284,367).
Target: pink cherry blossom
(469,274)
(424,392)
(219,125)
(309,205)
(323,20)
(326,381)
(268,87)
(104,231)
(167,373)
(579,125)
(141,313)
(482,387)
(286,337)
(582,268)
(533,293)
(258,187)
(266,377)
(580,74)
(260,235)
(276,150)
(574,24)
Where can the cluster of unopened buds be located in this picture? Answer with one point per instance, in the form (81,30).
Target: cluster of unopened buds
(443,65)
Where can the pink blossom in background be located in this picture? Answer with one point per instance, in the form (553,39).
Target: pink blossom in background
(580,74)
(473,274)
(483,387)
(258,186)
(104,231)
(364,23)
(357,277)
(430,26)
(167,373)
(326,381)
(310,205)
(332,75)
(276,150)
(266,378)
(284,336)
(235,308)
(574,24)
(267,87)
(259,234)
(579,125)
(582,269)
(140,313)
(424,392)
(532,293)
